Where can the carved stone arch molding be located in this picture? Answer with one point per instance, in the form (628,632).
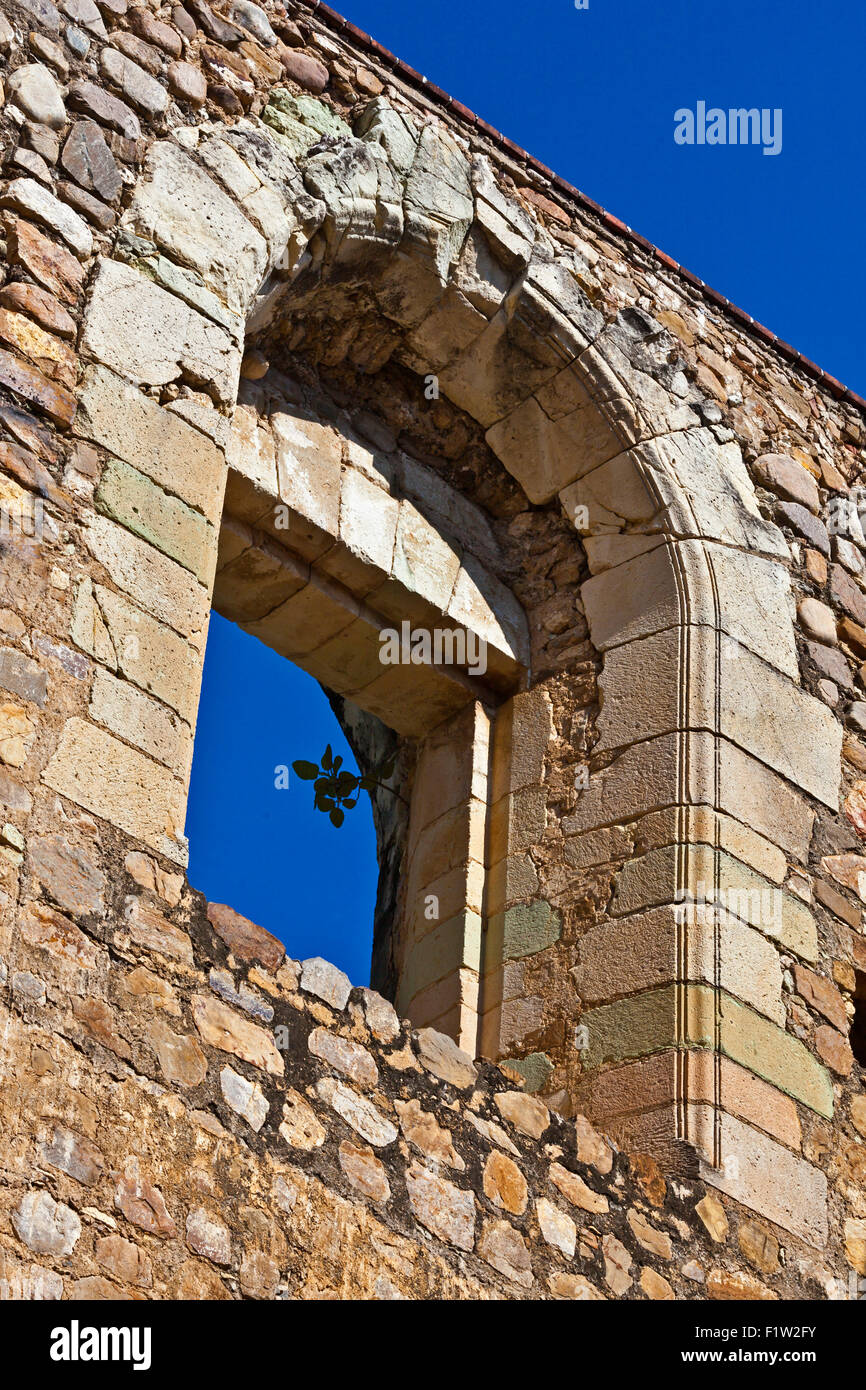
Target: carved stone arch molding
(663,1016)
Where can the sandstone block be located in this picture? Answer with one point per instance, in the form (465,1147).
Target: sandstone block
(122,786)
(180,207)
(221,1027)
(134,327)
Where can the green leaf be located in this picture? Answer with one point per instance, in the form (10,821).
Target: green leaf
(338,763)
(367,784)
(351,804)
(337,817)
(306,771)
(327,759)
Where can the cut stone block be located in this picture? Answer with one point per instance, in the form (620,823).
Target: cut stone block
(699,877)
(177,205)
(643,952)
(154,440)
(694,1017)
(746,596)
(135,327)
(165,522)
(767,1178)
(121,786)
(164,588)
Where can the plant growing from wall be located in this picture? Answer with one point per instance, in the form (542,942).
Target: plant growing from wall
(335,789)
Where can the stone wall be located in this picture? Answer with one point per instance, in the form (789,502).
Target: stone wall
(239,248)
(232,1123)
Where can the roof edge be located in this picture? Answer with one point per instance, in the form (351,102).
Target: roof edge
(340,25)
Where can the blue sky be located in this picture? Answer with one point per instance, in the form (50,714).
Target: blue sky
(592,93)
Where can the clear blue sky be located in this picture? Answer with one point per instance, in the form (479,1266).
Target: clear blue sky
(592,93)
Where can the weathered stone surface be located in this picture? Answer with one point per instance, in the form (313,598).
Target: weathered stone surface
(423,1130)
(104,108)
(364,1171)
(164,521)
(259,1275)
(51,265)
(149,928)
(87,159)
(35,91)
(357,1111)
(647,1235)
(49,931)
(32,386)
(244,939)
(446,1210)
(818,620)
(300,1126)
(505,1249)
(738,1285)
(155,441)
(23,677)
(714,1217)
(221,1027)
(381,1016)
(67,874)
(97,772)
(153,30)
(591,1147)
(822,995)
(181,208)
(245,1097)
(138,329)
(527,1114)
(345,1056)
(441,1056)
(806,525)
(504,1183)
(788,479)
(572,1186)
(834,1049)
(32,200)
(41,306)
(72,1154)
(46,1226)
(617,1264)
(760,1248)
(136,85)
(574,1286)
(326,982)
(187,83)
(207,1236)
(180,1056)
(52,356)
(165,589)
(307,71)
(654,1285)
(140,52)
(124,1260)
(17,732)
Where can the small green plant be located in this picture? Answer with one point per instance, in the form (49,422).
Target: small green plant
(335,788)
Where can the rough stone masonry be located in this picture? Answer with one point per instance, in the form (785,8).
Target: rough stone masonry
(287,332)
